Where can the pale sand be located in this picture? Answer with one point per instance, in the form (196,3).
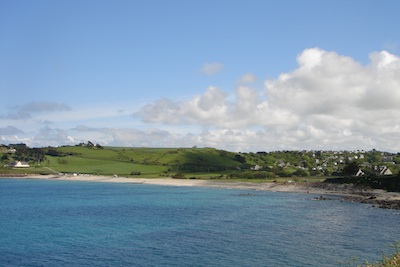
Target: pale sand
(265,186)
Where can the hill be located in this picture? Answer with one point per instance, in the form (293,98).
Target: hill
(196,162)
(122,160)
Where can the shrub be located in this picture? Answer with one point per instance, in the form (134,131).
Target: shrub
(179,175)
(62,161)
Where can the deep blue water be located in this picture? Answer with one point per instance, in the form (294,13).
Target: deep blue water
(65,223)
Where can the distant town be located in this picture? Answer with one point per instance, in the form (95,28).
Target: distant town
(327,163)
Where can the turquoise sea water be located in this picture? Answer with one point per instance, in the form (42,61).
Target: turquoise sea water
(65,223)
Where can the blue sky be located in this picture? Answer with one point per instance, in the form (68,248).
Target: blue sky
(236,75)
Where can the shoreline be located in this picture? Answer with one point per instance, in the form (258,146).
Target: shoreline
(376,197)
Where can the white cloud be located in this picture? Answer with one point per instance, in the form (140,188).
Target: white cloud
(329,101)
(248,78)
(127,136)
(26,111)
(51,137)
(9,130)
(391,46)
(205,109)
(212,68)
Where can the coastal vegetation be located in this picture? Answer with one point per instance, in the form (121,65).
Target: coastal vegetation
(392,261)
(387,261)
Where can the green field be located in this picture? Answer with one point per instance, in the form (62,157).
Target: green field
(143,162)
(76,164)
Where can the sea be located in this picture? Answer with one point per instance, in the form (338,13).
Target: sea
(75,223)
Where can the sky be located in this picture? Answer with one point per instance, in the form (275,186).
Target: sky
(243,76)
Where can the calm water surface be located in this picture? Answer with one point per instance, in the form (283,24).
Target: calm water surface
(65,223)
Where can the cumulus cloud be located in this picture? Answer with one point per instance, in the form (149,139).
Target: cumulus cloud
(391,46)
(51,137)
(212,68)
(11,134)
(12,139)
(25,111)
(43,137)
(205,109)
(335,85)
(127,136)
(329,101)
(10,130)
(248,78)
(213,109)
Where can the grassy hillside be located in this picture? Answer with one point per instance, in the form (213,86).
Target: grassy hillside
(138,161)
(196,162)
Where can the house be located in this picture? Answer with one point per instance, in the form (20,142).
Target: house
(19,164)
(387,158)
(385,171)
(257,168)
(280,163)
(359,173)
(366,164)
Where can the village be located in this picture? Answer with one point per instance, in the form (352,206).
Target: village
(325,163)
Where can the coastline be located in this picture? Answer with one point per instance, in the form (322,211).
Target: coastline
(376,197)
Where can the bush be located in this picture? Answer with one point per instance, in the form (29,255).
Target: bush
(252,175)
(300,172)
(62,161)
(179,175)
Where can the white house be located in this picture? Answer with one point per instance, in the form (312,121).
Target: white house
(19,164)
(257,168)
(385,171)
(360,173)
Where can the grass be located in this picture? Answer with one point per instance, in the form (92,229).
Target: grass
(76,164)
(146,162)
(154,162)
(391,261)
(30,170)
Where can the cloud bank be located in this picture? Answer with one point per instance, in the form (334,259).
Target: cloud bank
(330,101)
(25,111)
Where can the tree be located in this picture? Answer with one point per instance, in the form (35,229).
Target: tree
(4,157)
(300,172)
(239,158)
(351,168)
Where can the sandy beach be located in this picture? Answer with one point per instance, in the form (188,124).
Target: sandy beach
(377,197)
